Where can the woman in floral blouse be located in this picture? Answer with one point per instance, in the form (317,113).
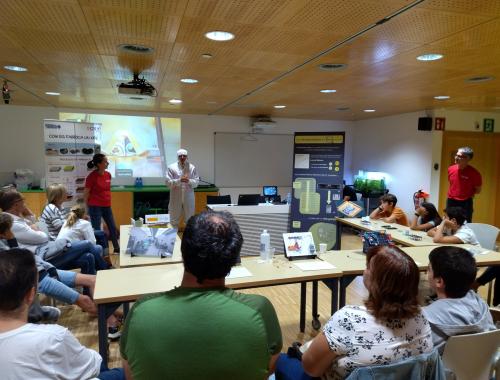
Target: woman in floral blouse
(390,326)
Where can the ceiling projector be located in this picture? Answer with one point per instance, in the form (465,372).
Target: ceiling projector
(137,87)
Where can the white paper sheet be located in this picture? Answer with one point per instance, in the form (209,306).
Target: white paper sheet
(238,272)
(314,265)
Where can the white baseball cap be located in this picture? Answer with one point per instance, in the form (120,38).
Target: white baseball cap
(182,152)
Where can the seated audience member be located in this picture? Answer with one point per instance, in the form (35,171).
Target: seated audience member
(61,253)
(77,228)
(52,214)
(426,217)
(58,284)
(32,351)
(348,193)
(389,328)
(206,330)
(453,229)
(389,212)
(458,309)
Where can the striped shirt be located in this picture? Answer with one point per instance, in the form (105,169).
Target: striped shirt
(54,219)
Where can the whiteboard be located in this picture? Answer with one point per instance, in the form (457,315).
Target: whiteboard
(252,160)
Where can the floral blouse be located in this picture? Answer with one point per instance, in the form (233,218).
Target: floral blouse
(360,340)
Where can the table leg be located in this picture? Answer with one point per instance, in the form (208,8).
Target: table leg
(102,333)
(315,316)
(333,285)
(338,243)
(344,283)
(303,288)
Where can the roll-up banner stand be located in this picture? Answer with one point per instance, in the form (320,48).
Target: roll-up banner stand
(318,171)
(68,147)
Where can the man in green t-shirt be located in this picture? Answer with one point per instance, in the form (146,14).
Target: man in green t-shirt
(203,330)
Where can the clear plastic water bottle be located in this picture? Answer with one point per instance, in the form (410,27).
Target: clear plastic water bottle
(136,183)
(289,198)
(265,245)
(140,181)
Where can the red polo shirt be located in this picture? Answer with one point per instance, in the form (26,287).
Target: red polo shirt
(100,189)
(463,183)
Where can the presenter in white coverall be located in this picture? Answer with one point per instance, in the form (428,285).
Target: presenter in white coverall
(182,179)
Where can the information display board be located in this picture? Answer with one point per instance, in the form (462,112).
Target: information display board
(318,171)
(68,147)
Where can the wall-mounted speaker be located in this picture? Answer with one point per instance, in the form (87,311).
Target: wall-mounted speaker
(425,123)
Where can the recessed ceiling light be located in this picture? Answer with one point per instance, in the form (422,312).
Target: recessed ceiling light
(327,91)
(219,35)
(430,57)
(369,110)
(175,101)
(279,106)
(15,68)
(206,55)
(441,97)
(189,80)
(332,66)
(52,93)
(481,78)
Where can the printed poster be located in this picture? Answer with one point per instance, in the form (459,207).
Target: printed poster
(318,171)
(68,147)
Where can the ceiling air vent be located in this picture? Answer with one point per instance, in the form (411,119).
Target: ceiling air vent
(478,79)
(136,49)
(332,66)
(342,108)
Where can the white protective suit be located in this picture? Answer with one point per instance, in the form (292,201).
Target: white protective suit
(181,193)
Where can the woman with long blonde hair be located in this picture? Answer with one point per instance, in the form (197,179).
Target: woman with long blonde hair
(76,227)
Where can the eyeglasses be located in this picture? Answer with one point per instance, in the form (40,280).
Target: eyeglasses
(460,156)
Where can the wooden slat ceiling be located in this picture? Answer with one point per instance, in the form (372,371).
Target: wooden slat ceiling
(71,47)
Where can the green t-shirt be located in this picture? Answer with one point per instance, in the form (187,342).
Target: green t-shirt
(191,333)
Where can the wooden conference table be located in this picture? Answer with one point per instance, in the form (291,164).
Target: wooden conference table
(399,234)
(125,285)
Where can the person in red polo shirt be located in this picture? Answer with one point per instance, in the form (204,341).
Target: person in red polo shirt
(97,196)
(465,182)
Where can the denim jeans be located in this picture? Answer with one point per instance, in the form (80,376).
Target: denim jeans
(102,240)
(290,369)
(111,374)
(82,254)
(61,289)
(96,213)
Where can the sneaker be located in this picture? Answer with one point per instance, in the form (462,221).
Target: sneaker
(50,313)
(114,333)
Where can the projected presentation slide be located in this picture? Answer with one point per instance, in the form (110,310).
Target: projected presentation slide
(132,143)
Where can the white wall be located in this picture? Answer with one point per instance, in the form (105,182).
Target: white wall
(21,142)
(21,145)
(394,145)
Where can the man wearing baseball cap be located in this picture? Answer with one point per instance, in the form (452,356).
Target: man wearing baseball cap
(182,179)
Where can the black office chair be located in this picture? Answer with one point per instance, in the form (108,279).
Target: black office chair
(249,199)
(218,199)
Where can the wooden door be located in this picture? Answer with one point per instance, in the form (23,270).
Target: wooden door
(486,159)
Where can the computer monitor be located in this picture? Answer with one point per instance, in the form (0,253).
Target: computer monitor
(270,191)
(248,199)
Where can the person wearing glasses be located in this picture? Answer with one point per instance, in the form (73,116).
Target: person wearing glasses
(182,179)
(465,182)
